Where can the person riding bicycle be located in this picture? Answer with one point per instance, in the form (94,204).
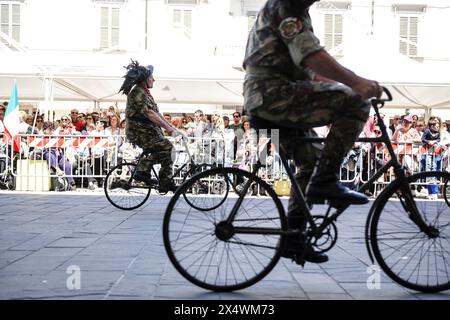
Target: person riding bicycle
(291,81)
(144,123)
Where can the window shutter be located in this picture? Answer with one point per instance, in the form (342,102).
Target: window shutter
(15,22)
(328,39)
(188,19)
(115,12)
(177,16)
(104,35)
(408,35)
(413,36)
(338,29)
(403,35)
(334,25)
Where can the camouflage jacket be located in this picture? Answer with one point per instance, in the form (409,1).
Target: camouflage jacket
(138,102)
(277,44)
(280,39)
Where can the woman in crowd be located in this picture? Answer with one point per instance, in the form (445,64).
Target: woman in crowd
(247,145)
(445,143)
(114,139)
(40,125)
(420,127)
(59,159)
(123,125)
(65,128)
(405,136)
(218,139)
(431,152)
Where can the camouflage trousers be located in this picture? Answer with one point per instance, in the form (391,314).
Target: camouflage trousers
(160,151)
(307,105)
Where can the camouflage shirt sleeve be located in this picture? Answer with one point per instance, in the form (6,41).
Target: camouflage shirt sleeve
(297,33)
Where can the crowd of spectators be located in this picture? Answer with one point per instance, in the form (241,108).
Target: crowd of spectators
(222,139)
(420,146)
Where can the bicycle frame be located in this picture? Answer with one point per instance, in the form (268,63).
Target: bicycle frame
(190,161)
(316,230)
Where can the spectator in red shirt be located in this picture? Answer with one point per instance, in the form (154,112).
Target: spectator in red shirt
(77,124)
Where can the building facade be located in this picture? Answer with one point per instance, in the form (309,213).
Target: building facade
(208,28)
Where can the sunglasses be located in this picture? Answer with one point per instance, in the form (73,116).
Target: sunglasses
(236,116)
(377,131)
(39,121)
(64,120)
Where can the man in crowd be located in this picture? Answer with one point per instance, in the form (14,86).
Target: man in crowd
(237,124)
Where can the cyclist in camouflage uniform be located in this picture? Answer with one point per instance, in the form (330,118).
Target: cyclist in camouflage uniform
(293,82)
(144,123)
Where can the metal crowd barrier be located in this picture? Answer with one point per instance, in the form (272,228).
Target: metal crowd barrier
(54,162)
(6,178)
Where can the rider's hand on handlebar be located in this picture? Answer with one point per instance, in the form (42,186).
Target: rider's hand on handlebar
(368,89)
(177,134)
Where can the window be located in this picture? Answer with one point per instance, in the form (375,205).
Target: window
(334,24)
(182,18)
(409,16)
(109,27)
(333,13)
(408,35)
(10,20)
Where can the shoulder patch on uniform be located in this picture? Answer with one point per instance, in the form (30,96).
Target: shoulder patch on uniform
(290,27)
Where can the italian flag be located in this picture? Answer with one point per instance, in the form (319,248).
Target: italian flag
(11,121)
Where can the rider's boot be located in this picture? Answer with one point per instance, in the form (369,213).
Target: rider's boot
(296,249)
(294,246)
(145,177)
(325,185)
(170,186)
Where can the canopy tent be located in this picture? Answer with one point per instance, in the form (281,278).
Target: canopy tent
(203,80)
(98,77)
(413,84)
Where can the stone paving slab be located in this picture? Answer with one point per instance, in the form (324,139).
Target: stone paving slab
(121,256)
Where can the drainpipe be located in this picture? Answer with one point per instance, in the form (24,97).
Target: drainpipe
(146,12)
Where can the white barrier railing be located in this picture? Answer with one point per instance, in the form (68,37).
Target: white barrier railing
(6,178)
(46,161)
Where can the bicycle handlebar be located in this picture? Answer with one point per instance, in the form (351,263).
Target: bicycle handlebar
(379,101)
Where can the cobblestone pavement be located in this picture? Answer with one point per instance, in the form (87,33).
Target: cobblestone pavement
(120,255)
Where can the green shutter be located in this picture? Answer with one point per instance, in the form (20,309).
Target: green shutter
(188,19)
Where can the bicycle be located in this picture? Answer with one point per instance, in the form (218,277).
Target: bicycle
(125,192)
(238,243)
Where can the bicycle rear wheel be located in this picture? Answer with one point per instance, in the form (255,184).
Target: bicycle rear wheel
(123,192)
(406,254)
(210,186)
(214,254)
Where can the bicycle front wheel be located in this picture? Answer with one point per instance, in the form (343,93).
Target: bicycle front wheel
(122,191)
(446,192)
(405,253)
(217,254)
